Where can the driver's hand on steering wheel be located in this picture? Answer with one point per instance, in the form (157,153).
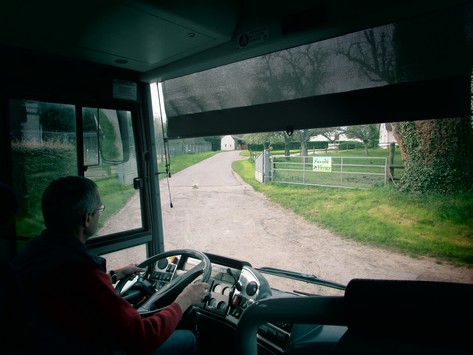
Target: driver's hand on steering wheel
(131,269)
(194,293)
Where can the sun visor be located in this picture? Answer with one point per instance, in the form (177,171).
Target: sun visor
(415,69)
(414,101)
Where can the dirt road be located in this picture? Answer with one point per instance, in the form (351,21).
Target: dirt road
(215,211)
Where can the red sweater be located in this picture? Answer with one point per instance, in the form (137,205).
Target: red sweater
(89,307)
(75,309)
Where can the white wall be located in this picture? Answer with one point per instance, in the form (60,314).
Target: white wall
(227,143)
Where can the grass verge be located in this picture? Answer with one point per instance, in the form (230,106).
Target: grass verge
(432,226)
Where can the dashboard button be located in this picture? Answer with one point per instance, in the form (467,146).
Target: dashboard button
(236,300)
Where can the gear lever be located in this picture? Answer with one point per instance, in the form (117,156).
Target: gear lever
(237,283)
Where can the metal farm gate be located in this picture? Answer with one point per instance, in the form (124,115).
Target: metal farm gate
(329,171)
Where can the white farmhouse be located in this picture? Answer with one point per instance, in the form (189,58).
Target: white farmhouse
(228,143)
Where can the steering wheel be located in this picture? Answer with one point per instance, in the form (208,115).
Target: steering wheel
(159,298)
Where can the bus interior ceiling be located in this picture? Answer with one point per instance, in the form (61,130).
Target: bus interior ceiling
(165,39)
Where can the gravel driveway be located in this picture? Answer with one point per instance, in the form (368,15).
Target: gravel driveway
(215,211)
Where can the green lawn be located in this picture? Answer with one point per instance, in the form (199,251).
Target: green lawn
(180,162)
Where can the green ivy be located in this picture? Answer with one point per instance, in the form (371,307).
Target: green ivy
(437,156)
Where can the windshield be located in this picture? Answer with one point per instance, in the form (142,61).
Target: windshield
(333,232)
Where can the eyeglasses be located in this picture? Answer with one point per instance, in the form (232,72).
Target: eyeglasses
(101,208)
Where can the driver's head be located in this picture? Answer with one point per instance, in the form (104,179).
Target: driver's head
(67,201)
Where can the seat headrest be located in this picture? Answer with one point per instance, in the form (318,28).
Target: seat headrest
(410,311)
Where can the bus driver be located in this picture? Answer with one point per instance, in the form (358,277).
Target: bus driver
(76,309)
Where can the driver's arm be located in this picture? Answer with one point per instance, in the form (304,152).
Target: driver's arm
(131,269)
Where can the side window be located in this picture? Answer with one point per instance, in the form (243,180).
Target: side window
(45,145)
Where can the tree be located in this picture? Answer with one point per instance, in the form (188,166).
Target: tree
(330,133)
(215,141)
(367,133)
(433,151)
(435,155)
(303,135)
(290,74)
(288,138)
(264,139)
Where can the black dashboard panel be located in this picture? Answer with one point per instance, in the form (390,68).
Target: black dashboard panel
(222,288)
(235,286)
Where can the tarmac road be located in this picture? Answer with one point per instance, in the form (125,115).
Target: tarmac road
(215,211)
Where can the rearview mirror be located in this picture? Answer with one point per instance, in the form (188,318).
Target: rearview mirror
(106,136)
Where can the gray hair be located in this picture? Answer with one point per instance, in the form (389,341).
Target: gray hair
(67,200)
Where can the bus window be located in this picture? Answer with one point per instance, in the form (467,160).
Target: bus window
(113,166)
(125,256)
(45,146)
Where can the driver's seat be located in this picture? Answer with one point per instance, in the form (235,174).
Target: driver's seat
(23,331)
(13,310)
(407,317)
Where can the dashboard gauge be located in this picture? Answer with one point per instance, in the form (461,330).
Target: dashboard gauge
(227,291)
(218,288)
(222,305)
(212,303)
(251,288)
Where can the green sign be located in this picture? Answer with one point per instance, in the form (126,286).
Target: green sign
(322,164)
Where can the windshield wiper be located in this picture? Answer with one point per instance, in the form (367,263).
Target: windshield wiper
(301,277)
